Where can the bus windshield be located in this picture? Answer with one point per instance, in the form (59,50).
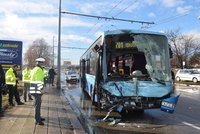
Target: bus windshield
(138,55)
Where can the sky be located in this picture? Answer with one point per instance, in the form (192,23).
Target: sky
(28,20)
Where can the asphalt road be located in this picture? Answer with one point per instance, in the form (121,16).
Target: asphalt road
(185,119)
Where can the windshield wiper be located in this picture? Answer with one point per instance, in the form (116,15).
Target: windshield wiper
(160,81)
(120,90)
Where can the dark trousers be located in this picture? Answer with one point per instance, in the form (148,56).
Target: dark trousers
(51,80)
(37,105)
(26,91)
(13,91)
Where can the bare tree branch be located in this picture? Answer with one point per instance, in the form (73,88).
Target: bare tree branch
(183,46)
(39,48)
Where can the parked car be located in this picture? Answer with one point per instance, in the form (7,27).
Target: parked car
(72,76)
(188,75)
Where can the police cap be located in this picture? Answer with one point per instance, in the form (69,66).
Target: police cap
(40,60)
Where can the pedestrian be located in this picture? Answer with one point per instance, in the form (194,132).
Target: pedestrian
(11,82)
(2,83)
(37,88)
(51,73)
(26,74)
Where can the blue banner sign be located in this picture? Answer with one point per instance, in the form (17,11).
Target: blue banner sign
(10,53)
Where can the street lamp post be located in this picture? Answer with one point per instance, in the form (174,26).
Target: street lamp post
(53,51)
(59,46)
(183,64)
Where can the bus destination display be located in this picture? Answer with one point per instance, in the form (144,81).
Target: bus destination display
(124,45)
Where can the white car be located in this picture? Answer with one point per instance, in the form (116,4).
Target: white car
(188,75)
(72,76)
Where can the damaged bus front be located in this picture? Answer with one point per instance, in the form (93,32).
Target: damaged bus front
(132,70)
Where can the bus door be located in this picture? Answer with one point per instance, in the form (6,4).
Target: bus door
(83,78)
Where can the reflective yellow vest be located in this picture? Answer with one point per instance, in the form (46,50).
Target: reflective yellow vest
(36,80)
(10,77)
(26,75)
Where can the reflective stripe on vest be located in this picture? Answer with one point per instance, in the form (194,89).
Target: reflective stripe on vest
(36,88)
(26,81)
(35,92)
(36,82)
(11,83)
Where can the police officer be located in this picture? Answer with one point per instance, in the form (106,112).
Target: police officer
(11,82)
(26,79)
(51,73)
(36,88)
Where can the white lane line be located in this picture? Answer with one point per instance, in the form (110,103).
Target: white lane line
(191,125)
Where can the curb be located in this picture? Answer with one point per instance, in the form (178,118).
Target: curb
(187,85)
(77,126)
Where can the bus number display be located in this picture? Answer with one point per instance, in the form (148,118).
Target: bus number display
(122,45)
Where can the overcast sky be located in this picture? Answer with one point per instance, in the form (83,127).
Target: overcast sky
(28,20)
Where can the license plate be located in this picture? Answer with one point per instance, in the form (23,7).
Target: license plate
(167,104)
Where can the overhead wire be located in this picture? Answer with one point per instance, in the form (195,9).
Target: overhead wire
(116,15)
(107,14)
(172,18)
(166,20)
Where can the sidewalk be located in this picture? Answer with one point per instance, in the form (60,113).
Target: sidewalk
(59,116)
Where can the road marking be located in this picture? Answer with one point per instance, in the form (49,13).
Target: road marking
(191,125)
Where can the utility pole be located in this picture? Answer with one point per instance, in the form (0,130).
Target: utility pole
(59,53)
(53,50)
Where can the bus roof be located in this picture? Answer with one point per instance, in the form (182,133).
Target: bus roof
(123,31)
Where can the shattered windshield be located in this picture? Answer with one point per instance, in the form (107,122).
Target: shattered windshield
(156,53)
(138,55)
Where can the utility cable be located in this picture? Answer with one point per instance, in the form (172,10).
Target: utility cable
(107,14)
(118,14)
(172,18)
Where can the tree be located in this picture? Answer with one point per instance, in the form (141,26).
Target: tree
(183,46)
(191,47)
(39,48)
(195,60)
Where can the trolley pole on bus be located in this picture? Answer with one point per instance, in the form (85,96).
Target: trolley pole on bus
(59,46)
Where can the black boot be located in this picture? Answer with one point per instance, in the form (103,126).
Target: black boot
(20,103)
